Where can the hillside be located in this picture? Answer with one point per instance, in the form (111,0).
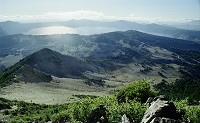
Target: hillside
(135,52)
(94,65)
(59,65)
(36,66)
(93,45)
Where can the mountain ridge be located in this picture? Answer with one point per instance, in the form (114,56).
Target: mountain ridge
(57,64)
(108,54)
(104,45)
(41,65)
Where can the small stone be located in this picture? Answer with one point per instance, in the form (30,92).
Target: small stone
(125,119)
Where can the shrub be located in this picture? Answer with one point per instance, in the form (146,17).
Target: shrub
(139,91)
(6,112)
(184,88)
(191,112)
(4,106)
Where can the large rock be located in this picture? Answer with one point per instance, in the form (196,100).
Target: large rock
(162,111)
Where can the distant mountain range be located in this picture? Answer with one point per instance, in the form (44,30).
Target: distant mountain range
(191,25)
(93,27)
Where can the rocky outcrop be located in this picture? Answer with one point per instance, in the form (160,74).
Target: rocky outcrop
(162,111)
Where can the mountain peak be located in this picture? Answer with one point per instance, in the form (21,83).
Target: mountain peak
(45,50)
(45,53)
(57,64)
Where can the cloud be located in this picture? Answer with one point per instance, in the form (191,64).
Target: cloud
(82,14)
(58,16)
(76,15)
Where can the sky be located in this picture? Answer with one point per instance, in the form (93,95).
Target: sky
(106,10)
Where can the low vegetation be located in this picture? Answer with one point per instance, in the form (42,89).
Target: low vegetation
(133,96)
(192,112)
(139,91)
(74,112)
(6,77)
(181,89)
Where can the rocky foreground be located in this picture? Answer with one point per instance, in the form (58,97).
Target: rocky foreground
(160,111)
(163,111)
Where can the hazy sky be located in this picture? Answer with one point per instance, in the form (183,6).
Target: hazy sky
(52,10)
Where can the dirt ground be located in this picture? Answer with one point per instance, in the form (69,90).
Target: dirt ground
(59,91)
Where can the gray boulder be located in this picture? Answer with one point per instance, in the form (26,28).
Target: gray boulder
(162,111)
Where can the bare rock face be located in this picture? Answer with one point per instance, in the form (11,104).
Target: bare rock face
(162,111)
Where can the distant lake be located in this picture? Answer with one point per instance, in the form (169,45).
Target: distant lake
(69,30)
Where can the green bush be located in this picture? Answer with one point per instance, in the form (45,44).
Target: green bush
(6,112)
(4,106)
(80,111)
(139,91)
(191,112)
(184,88)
